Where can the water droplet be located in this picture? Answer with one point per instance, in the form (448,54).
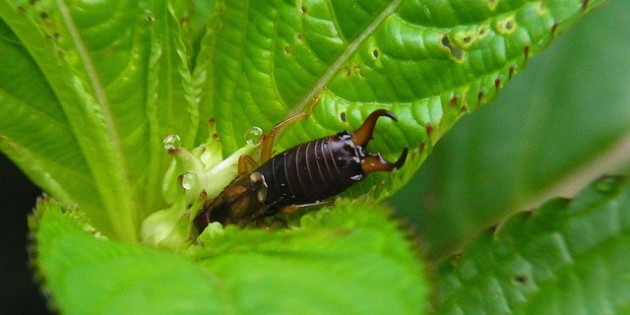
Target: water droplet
(253,135)
(171,142)
(189,180)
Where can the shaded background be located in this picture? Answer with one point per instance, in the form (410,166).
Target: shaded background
(18,292)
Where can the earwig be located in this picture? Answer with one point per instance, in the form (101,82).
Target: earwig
(305,175)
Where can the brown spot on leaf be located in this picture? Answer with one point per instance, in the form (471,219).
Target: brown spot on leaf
(554,28)
(511,72)
(454,101)
(526,52)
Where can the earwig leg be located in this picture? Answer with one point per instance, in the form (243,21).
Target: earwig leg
(267,140)
(290,209)
(376,163)
(243,162)
(363,134)
(261,224)
(276,220)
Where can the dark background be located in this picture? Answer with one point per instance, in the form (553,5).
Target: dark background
(18,292)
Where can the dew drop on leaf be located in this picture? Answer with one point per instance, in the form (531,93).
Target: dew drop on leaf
(253,135)
(189,180)
(171,142)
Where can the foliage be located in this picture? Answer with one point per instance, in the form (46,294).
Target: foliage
(569,256)
(132,114)
(559,125)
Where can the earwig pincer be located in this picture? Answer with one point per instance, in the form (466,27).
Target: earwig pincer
(305,175)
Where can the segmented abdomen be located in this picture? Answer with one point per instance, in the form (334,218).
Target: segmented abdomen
(311,172)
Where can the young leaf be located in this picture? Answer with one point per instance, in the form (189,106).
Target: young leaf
(352,259)
(85,273)
(568,257)
(100,83)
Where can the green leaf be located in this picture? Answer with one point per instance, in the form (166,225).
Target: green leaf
(352,259)
(116,77)
(427,62)
(102,83)
(562,123)
(105,82)
(88,274)
(568,257)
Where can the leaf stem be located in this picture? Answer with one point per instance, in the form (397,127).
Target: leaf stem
(341,60)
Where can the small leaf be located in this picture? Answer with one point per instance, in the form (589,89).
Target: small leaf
(89,274)
(101,84)
(568,257)
(350,259)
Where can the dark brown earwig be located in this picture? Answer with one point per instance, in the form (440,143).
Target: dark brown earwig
(306,175)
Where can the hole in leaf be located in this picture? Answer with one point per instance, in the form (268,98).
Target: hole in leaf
(521,279)
(375,53)
(183,21)
(554,28)
(455,51)
(149,17)
(507,25)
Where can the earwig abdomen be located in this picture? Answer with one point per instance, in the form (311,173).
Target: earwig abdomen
(312,172)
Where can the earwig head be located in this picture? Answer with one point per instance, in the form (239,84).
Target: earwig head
(363,134)
(373,162)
